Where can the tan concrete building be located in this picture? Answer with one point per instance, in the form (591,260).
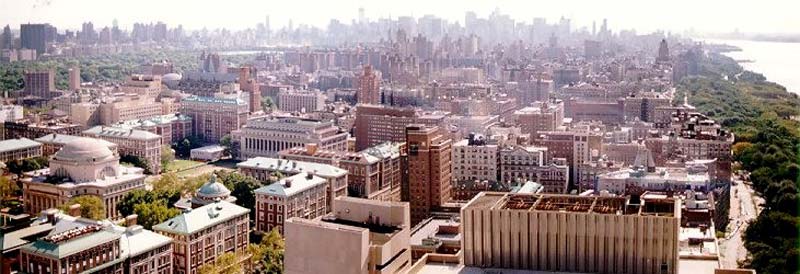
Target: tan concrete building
(540,116)
(133,142)
(125,108)
(303,195)
(201,235)
(145,85)
(360,236)
(429,170)
(572,233)
(82,167)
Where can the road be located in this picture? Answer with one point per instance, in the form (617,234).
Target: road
(743,209)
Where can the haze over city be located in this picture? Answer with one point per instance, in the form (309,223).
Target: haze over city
(399,137)
(676,16)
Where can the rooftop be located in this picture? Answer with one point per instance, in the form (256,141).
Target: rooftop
(105,131)
(202,217)
(292,167)
(296,184)
(652,205)
(17,144)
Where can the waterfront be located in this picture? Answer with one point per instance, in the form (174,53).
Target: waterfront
(775,60)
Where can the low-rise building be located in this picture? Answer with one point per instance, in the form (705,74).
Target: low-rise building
(172,128)
(262,169)
(475,159)
(374,235)
(207,153)
(18,149)
(201,235)
(301,101)
(31,130)
(266,136)
(302,195)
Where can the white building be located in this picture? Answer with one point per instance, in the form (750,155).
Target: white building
(474,159)
(207,153)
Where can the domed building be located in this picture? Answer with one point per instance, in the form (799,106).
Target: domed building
(84,166)
(208,193)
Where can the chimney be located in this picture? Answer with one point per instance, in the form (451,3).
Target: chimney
(50,214)
(75,210)
(287,182)
(311,148)
(309,175)
(130,220)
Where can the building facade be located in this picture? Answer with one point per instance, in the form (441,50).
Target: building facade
(303,195)
(266,136)
(19,149)
(430,167)
(132,142)
(213,118)
(301,101)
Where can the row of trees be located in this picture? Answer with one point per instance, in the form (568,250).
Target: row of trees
(767,145)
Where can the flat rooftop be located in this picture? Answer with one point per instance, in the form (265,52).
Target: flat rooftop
(649,205)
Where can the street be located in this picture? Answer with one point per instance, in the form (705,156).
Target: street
(742,210)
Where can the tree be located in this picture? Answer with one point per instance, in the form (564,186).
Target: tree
(139,196)
(30,164)
(231,146)
(227,263)
(267,256)
(167,155)
(150,214)
(267,104)
(92,207)
(7,187)
(242,187)
(137,162)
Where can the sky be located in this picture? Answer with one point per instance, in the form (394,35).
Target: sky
(762,16)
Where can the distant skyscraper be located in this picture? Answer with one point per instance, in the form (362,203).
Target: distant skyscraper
(663,51)
(40,83)
(88,35)
(369,87)
(429,165)
(32,36)
(6,40)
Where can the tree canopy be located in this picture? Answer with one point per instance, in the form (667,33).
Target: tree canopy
(92,207)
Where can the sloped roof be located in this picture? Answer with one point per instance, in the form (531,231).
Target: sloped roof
(201,218)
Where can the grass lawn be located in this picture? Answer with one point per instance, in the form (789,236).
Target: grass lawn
(176,165)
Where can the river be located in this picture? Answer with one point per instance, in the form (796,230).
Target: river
(779,62)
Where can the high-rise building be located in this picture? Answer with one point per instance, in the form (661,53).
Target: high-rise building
(474,159)
(87,34)
(369,86)
(33,36)
(374,235)
(214,118)
(663,51)
(301,101)
(7,39)
(40,83)
(541,116)
(565,233)
(377,124)
(74,78)
(429,170)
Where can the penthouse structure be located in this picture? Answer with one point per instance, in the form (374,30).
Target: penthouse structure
(301,101)
(266,136)
(567,233)
(429,170)
(84,166)
(133,142)
(18,149)
(375,173)
(79,245)
(374,234)
(201,235)
(379,124)
(263,168)
(213,118)
(302,195)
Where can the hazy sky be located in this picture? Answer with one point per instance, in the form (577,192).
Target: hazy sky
(764,16)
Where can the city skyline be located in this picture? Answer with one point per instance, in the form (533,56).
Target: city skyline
(639,15)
